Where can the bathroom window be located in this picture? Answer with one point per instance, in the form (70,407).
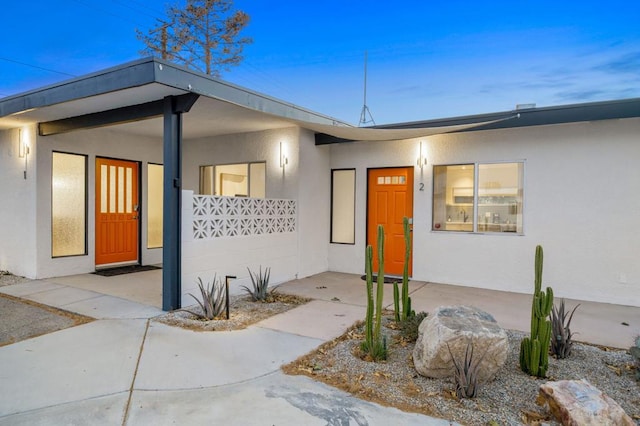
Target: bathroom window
(154,205)
(68,204)
(480,197)
(343,206)
(234,180)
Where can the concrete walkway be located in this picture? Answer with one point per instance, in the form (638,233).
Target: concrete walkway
(127,370)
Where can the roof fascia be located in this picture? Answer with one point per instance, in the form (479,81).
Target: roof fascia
(594,111)
(132,74)
(184,79)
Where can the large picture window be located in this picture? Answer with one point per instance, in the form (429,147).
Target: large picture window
(68,204)
(234,180)
(485,198)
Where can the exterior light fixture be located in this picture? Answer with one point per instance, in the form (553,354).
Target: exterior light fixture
(422,159)
(22,147)
(283,157)
(23,150)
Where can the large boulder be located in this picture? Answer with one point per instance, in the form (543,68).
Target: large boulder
(579,403)
(456,326)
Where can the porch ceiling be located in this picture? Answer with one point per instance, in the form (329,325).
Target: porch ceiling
(222,108)
(208,117)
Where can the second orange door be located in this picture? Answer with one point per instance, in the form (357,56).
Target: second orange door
(390,198)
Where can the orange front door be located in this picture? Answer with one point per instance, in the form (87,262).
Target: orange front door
(117,211)
(390,198)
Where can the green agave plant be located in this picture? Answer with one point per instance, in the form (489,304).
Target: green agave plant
(561,342)
(260,282)
(212,302)
(466,372)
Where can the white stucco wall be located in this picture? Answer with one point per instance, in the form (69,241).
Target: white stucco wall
(580,205)
(17,204)
(208,258)
(245,148)
(314,204)
(104,142)
(112,143)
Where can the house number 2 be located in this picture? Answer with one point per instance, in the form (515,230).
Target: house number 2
(421,186)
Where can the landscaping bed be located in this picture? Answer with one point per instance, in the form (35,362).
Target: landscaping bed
(243,312)
(509,399)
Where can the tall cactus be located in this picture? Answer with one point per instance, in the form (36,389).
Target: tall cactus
(406,312)
(534,350)
(375,344)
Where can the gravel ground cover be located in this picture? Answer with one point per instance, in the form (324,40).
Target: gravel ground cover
(243,311)
(22,319)
(6,278)
(510,399)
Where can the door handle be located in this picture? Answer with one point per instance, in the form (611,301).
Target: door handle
(135,217)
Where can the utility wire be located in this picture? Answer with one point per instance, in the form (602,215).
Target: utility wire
(37,67)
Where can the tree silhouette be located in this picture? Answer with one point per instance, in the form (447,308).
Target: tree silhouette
(204,36)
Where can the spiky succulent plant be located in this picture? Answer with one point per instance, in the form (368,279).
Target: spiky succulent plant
(213,299)
(260,284)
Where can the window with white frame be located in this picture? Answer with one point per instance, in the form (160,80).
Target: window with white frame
(478,197)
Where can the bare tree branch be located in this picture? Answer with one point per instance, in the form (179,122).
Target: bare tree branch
(203,35)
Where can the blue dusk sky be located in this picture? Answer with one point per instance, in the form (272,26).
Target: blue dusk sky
(426,59)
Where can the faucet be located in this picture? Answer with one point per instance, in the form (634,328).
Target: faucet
(464,214)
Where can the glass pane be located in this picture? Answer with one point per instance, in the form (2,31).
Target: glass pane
(112,189)
(257,180)
(154,205)
(453,190)
(343,196)
(500,197)
(232,180)
(68,204)
(129,206)
(120,189)
(103,188)
(206,180)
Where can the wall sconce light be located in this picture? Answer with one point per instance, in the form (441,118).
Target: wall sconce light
(23,150)
(21,145)
(422,159)
(283,157)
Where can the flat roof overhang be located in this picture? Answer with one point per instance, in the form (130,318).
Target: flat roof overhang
(222,108)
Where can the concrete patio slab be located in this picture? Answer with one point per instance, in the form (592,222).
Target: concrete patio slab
(63,296)
(142,287)
(303,320)
(109,307)
(275,399)
(83,362)
(106,410)
(174,358)
(340,287)
(595,323)
(29,288)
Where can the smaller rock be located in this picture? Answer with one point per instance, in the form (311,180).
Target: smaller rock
(452,328)
(579,403)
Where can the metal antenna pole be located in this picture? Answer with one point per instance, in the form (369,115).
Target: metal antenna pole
(365,109)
